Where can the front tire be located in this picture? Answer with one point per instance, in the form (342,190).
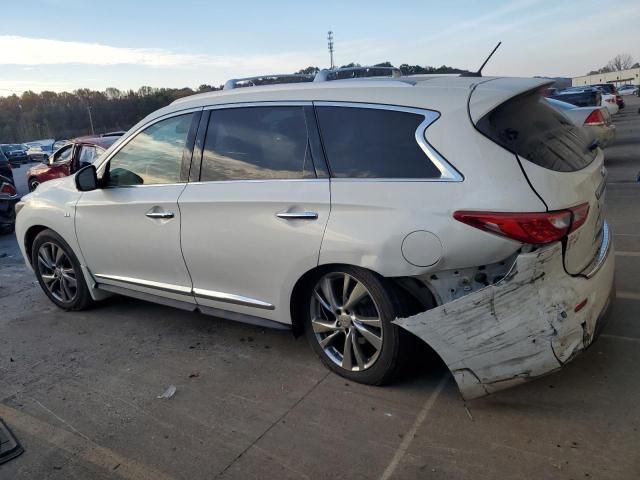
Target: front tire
(348,324)
(33,184)
(58,272)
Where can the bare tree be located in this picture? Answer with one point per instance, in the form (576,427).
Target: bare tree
(620,62)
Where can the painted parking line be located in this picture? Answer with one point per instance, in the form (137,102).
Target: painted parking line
(409,436)
(628,295)
(620,337)
(78,445)
(627,254)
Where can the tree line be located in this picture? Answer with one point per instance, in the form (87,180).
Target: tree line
(34,116)
(620,62)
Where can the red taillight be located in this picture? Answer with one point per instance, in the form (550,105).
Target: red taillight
(580,214)
(533,228)
(595,118)
(8,189)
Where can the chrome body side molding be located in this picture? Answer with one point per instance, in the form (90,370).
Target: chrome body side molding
(230,298)
(165,287)
(178,289)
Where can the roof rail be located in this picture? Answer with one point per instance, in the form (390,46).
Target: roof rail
(356,72)
(267,80)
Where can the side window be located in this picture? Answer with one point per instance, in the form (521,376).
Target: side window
(87,154)
(153,156)
(63,154)
(257,143)
(373,143)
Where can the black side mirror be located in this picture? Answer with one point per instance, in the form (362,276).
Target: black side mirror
(87,179)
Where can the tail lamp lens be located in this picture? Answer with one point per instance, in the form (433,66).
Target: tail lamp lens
(8,189)
(531,228)
(595,118)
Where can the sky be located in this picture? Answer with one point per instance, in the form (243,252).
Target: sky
(69,44)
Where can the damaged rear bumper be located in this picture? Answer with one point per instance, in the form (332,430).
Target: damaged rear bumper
(527,325)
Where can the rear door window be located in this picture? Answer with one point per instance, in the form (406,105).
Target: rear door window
(257,143)
(373,143)
(529,127)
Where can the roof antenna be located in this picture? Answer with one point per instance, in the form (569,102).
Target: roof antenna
(479,72)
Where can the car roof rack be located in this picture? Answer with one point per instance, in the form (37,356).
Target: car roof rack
(356,72)
(322,76)
(267,80)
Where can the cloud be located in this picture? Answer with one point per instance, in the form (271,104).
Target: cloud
(18,50)
(8,87)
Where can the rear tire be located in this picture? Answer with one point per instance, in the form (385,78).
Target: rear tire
(348,314)
(58,272)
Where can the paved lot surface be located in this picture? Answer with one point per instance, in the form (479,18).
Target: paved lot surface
(79,390)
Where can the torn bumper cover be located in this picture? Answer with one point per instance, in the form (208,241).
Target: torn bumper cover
(527,325)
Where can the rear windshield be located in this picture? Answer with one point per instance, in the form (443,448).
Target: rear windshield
(529,127)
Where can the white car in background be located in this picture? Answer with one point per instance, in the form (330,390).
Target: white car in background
(596,121)
(609,101)
(466,211)
(628,90)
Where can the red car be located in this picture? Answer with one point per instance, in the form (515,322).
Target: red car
(68,159)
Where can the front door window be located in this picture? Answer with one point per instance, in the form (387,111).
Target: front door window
(153,156)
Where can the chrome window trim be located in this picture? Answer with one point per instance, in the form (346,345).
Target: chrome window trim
(116,187)
(448,172)
(231,298)
(260,180)
(267,103)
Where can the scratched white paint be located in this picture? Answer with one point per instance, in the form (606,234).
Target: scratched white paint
(519,328)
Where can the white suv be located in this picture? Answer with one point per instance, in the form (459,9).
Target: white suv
(464,210)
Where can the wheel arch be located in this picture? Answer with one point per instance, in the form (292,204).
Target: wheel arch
(30,236)
(414,301)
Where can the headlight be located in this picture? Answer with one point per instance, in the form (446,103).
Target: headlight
(19,206)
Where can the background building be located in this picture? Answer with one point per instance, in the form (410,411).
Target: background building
(621,77)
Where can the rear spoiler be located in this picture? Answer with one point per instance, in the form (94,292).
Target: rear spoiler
(487,95)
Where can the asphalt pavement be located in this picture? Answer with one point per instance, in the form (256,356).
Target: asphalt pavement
(80,390)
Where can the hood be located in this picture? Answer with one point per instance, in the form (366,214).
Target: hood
(38,168)
(56,183)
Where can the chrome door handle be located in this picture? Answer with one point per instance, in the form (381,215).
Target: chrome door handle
(160,214)
(297,215)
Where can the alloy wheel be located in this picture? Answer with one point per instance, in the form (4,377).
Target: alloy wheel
(346,321)
(34,184)
(57,272)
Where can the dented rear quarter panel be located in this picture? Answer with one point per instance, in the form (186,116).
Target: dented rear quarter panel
(520,328)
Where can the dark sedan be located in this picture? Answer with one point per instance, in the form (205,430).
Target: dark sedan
(16,153)
(5,167)
(8,200)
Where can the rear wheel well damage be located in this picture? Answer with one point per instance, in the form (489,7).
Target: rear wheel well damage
(412,296)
